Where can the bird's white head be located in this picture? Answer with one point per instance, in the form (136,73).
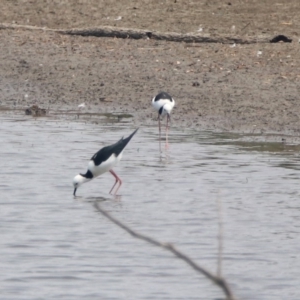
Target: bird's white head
(78,181)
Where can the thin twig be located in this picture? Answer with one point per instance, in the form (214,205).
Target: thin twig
(218,280)
(245,27)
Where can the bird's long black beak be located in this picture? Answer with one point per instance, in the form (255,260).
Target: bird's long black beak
(74,194)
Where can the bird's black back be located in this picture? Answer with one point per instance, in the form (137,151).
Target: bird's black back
(105,153)
(163,95)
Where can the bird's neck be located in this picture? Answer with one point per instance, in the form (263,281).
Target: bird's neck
(86,177)
(82,179)
(167,108)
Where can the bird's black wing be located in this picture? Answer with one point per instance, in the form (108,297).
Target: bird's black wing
(105,153)
(163,95)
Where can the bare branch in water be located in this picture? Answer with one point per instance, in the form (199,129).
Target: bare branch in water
(218,280)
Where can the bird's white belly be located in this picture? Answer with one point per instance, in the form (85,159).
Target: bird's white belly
(168,105)
(104,166)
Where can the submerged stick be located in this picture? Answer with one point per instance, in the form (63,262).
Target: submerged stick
(218,280)
(220,237)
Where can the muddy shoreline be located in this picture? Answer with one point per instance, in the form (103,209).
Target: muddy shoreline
(221,87)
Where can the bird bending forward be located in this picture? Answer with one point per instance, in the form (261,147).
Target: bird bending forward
(164,104)
(102,161)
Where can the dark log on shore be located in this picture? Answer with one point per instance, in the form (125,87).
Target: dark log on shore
(127,33)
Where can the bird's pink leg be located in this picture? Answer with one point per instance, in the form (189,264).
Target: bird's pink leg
(117,180)
(159,127)
(167,129)
(159,130)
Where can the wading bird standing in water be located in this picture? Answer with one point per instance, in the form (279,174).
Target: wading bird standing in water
(164,104)
(102,161)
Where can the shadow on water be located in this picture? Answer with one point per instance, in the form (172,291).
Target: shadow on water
(99,199)
(248,143)
(92,199)
(79,115)
(96,118)
(56,246)
(254,142)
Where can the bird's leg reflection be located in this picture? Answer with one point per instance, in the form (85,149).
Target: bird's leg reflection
(159,143)
(118,197)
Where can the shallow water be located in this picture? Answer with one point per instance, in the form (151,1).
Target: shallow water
(53,246)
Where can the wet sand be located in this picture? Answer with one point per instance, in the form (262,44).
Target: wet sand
(223,87)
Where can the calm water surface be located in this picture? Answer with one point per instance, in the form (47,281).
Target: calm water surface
(53,246)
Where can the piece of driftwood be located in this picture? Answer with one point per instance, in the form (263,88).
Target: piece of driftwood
(118,32)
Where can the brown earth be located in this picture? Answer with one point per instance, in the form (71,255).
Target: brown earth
(250,88)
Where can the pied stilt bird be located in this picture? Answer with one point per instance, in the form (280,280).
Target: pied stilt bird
(164,104)
(102,161)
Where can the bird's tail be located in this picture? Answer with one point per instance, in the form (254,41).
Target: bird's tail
(121,144)
(126,140)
